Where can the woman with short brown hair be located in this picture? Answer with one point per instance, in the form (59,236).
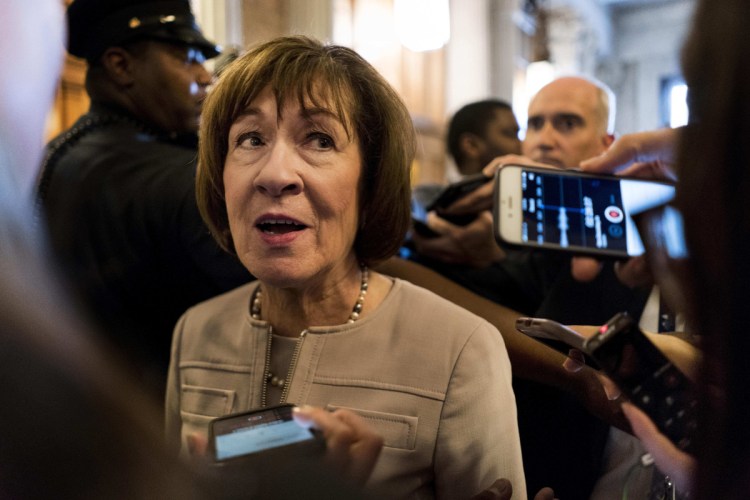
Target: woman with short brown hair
(304,175)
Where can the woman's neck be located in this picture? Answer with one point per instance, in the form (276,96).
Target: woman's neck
(290,310)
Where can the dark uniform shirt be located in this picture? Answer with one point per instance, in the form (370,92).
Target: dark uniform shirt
(119,200)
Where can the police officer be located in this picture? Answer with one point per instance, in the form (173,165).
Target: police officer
(117,189)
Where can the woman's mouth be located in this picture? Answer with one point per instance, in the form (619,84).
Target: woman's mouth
(279,226)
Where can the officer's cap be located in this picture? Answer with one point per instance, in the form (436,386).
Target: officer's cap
(95,25)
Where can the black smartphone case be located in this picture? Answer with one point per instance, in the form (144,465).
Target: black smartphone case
(650,380)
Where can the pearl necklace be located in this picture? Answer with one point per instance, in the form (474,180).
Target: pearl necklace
(356,310)
(255,311)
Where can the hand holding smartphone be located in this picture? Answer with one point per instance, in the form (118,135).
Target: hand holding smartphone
(259,432)
(650,380)
(573,211)
(426,199)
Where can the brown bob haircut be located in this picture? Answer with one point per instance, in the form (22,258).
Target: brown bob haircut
(331,77)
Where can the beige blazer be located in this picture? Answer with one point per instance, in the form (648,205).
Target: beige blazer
(431,377)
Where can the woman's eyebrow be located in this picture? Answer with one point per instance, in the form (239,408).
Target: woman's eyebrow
(316,111)
(252,111)
(325,117)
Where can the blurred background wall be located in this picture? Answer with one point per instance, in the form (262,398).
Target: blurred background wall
(441,54)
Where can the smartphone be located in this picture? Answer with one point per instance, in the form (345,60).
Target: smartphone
(638,367)
(542,328)
(258,432)
(650,380)
(572,211)
(453,192)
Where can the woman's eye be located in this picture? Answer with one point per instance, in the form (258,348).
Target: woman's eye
(249,140)
(321,141)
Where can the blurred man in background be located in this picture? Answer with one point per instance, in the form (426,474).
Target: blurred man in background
(117,189)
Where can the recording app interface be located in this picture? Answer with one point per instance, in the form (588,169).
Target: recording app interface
(259,436)
(572,211)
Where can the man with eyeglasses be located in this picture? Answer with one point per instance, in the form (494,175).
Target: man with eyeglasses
(117,188)
(569,120)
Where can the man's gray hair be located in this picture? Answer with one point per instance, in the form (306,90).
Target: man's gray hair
(608,103)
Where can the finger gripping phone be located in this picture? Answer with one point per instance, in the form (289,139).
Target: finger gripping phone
(260,432)
(650,380)
(572,211)
(637,366)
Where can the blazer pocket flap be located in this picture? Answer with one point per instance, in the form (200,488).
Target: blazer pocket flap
(397,431)
(206,402)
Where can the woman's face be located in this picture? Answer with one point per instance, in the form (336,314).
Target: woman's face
(291,185)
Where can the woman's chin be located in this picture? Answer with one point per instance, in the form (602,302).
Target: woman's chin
(279,273)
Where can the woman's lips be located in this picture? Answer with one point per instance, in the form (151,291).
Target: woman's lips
(279,226)
(276,229)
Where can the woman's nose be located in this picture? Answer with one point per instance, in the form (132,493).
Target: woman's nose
(279,176)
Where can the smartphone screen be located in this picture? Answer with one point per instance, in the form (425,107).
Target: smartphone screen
(574,211)
(256,431)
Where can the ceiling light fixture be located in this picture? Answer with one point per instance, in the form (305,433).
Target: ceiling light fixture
(422,25)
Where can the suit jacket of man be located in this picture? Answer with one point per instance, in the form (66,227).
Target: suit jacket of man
(119,200)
